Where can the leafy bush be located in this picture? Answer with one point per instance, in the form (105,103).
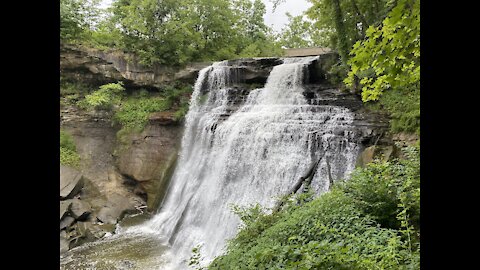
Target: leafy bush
(68,150)
(389,56)
(104,98)
(178,97)
(378,188)
(71,88)
(404,109)
(72,91)
(350,227)
(134,111)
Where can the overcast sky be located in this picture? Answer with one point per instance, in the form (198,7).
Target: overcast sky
(275,20)
(278,19)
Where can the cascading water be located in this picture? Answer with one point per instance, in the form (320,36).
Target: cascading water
(252,154)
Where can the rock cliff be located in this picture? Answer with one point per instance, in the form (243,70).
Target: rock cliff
(126,177)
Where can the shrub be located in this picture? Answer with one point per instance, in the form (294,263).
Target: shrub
(326,233)
(68,150)
(134,111)
(350,227)
(403,105)
(379,188)
(104,98)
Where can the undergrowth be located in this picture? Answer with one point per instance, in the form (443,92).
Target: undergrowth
(370,221)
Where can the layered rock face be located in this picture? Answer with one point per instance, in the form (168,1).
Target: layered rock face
(108,66)
(115,178)
(254,127)
(151,156)
(118,178)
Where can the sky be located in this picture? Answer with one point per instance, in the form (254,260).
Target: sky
(276,20)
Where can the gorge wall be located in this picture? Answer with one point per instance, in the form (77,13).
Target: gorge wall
(254,127)
(125,177)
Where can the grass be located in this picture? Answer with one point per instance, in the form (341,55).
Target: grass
(68,150)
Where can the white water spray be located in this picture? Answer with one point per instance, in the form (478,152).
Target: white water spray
(252,155)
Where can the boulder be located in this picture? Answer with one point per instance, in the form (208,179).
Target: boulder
(64,242)
(71,182)
(88,232)
(64,208)
(117,206)
(98,232)
(384,153)
(66,222)
(82,234)
(80,209)
(366,156)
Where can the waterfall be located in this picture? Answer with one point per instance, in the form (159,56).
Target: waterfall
(241,153)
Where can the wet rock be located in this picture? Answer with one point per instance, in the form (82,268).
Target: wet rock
(107,228)
(384,153)
(140,192)
(117,206)
(85,232)
(64,242)
(64,208)
(71,182)
(80,209)
(82,234)
(96,232)
(66,222)
(149,156)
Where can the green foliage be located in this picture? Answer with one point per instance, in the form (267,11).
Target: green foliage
(71,91)
(389,57)
(368,222)
(300,33)
(380,187)
(174,32)
(337,74)
(403,106)
(76,17)
(196,258)
(66,141)
(104,98)
(134,111)
(342,23)
(68,150)
(178,97)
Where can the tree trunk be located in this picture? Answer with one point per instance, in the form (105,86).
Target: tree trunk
(307,179)
(342,45)
(361,17)
(330,179)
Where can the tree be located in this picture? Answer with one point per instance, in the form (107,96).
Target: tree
(297,33)
(76,17)
(253,36)
(179,31)
(347,18)
(340,22)
(389,57)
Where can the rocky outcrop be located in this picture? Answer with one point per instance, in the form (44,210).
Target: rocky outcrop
(247,74)
(108,187)
(381,152)
(103,66)
(117,178)
(83,216)
(149,156)
(71,182)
